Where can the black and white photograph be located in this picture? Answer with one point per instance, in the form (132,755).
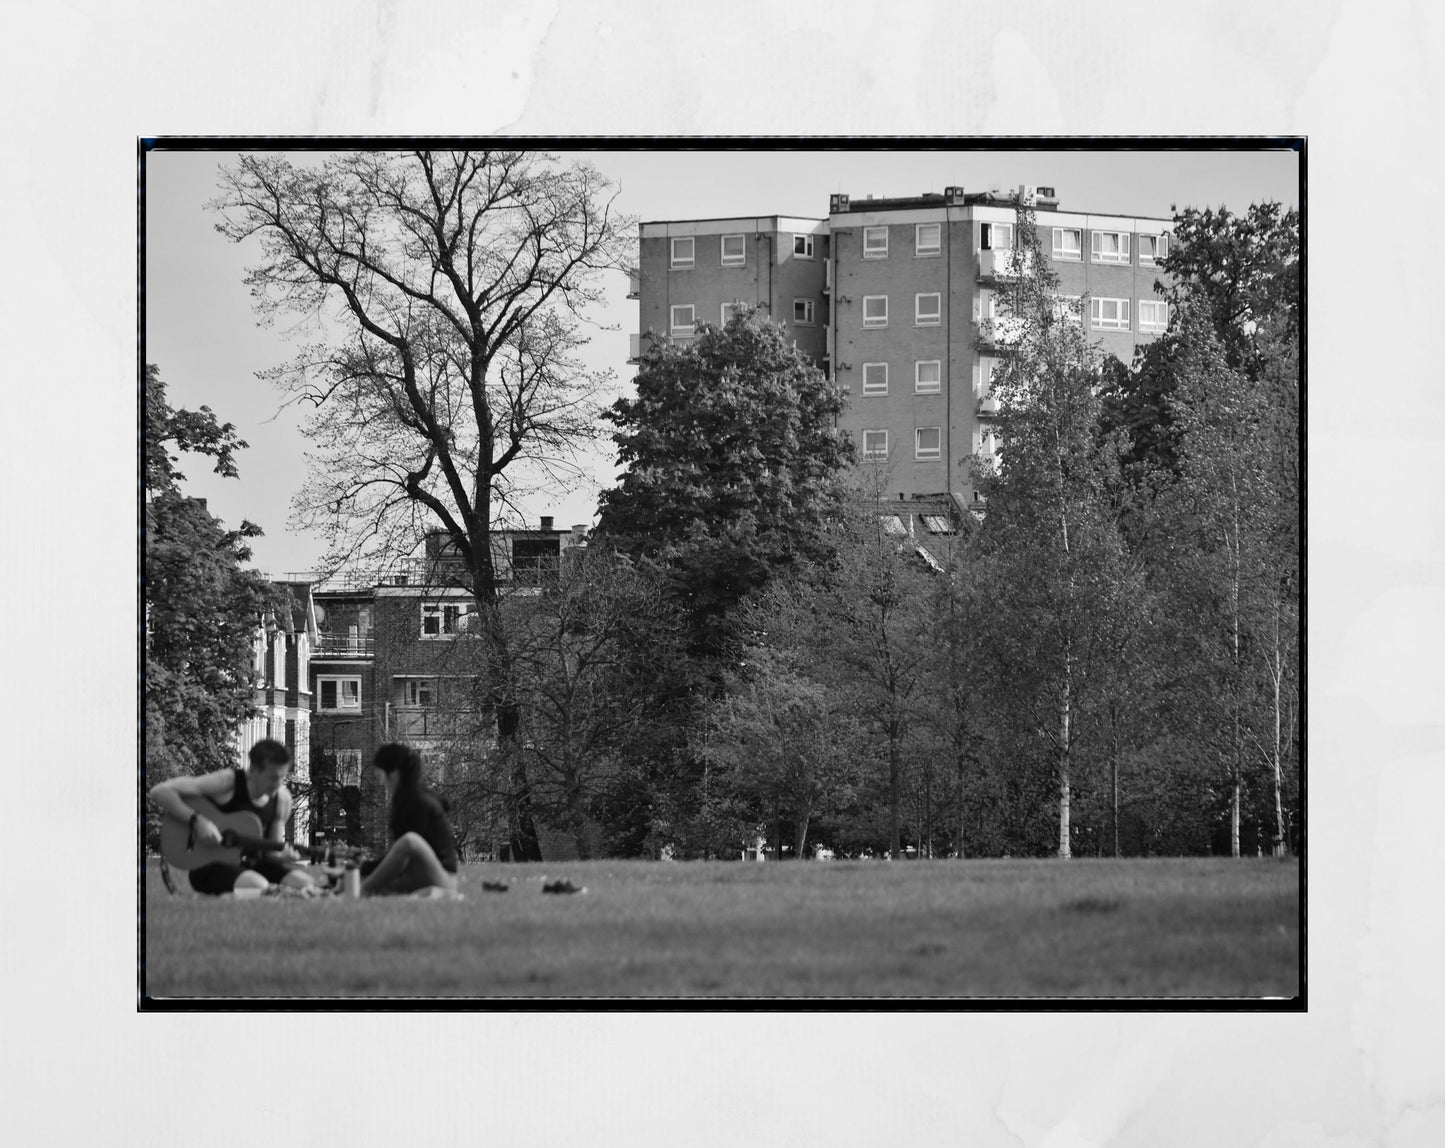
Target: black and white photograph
(721,572)
(890,587)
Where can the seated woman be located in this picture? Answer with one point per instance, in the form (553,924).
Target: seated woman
(424,853)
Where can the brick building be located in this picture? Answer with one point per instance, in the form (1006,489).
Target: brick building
(896,298)
(397,658)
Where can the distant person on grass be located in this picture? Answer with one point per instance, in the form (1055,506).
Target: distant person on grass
(423,855)
(259,789)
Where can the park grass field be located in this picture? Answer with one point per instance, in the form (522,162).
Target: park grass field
(843,929)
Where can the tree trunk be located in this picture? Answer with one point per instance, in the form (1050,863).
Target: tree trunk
(894,769)
(1114,782)
(1280,847)
(962,812)
(800,835)
(1064,716)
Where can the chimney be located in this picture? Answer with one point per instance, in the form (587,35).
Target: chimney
(579,531)
(546,527)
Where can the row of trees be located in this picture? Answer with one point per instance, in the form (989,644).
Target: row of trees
(1107,662)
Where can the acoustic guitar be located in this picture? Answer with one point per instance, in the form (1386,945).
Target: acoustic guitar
(240,834)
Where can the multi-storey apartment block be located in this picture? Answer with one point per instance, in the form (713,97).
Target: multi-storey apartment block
(898,298)
(697,271)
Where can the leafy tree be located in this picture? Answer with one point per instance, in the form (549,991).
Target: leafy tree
(1056,565)
(733,464)
(783,743)
(592,655)
(202,608)
(450,292)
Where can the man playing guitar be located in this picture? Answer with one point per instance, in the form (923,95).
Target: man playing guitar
(259,790)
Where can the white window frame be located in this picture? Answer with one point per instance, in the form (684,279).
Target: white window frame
(1160,244)
(923,250)
(807,320)
(920,319)
(805,242)
(988,236)
(875,252)
(1098,322)
(687,328)
(983,378)
(726,310)
(875,388)
(738,260)
(439,609)
(1061,252)
(877,452)
(1119,257)
(681,262)
(923,386)
(875,321)
(419,693)
(342,706)
(927,454)
(1154,306)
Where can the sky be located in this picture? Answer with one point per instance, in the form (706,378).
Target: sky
(202,332)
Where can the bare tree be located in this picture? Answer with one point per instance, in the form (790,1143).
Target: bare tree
(449,293)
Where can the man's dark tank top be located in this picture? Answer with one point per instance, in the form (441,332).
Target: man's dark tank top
(240,802)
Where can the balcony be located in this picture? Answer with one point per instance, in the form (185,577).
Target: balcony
(634,348)
(827,276)
(343,647)
(415,722)
(1000,265)
(634,284)
(1000,334)
(987,405)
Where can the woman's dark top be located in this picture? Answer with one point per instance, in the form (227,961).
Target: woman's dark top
(424,813)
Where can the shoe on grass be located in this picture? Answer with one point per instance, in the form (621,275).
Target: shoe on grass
(562,886)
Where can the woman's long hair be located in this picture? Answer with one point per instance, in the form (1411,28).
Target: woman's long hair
(394,757)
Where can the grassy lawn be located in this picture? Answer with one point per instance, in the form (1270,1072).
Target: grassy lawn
(855,929)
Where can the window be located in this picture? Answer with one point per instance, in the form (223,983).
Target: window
(936,524)
(927,376)
(734,251)
(682,251)
(683,320)
(803,312)
(928,443)
(893,525)
(1066,309)
(998,236)
(1153,315)
(875,243)
(802,247)
(875,378)
(1152,250)
(926,309)
(927,238)
(419,692)
(348,767)
(730,309)
(875,444)
(1110,246)
(983,378)
(1109,314)
(338,694)
(1067,243)
(444,619)
(875,310)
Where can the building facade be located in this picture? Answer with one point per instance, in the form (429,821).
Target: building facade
(397,658)
(282,648)
(897,299)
